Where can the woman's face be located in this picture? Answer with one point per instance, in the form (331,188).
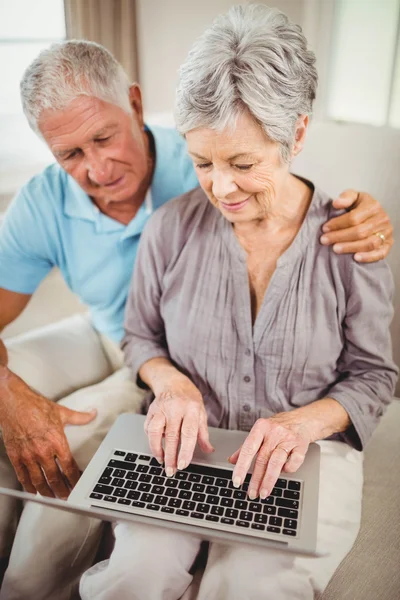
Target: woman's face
(240,170)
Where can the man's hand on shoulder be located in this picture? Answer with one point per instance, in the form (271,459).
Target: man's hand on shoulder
(364,230)
(33,434)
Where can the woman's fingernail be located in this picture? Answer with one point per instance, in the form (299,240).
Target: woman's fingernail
(325,228)
(324,239)
(170,472)
(252,494)
(181,465)
(159,459)
(358,257)
(263,494)
(337,248)
(236,482)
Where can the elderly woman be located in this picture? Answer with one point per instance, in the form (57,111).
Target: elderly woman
(239,318)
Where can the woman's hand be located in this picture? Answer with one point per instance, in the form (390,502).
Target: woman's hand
(364,230)
(278,443)
(177,413)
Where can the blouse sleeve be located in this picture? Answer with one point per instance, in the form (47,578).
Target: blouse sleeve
(367,372)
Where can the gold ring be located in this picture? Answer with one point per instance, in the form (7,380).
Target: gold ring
(380,235)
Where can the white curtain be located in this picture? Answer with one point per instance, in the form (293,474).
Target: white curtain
(111,23)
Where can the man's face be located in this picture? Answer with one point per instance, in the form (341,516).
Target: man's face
(100,145)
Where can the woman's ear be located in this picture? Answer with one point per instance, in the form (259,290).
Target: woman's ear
(300,134)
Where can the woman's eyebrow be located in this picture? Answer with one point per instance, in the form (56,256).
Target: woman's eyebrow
(235,157)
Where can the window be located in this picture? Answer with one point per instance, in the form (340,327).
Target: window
(26,27)
(364,85)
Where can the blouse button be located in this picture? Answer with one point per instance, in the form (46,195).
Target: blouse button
(246,407)
(246,378)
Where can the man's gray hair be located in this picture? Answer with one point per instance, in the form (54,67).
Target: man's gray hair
(252,58)
(70,69)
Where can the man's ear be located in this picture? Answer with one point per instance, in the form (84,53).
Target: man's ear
(300,134)
(135,100)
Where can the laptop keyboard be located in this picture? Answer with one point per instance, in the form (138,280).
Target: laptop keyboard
(198,493)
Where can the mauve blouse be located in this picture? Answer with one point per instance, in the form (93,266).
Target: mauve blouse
(322,329)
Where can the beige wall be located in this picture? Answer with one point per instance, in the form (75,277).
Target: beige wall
(166,30)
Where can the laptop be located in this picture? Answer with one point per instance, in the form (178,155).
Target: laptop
(123,482)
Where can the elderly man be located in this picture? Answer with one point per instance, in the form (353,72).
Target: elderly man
(85,216)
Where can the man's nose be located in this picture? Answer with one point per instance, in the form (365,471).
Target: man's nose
(223,184)
(99,170)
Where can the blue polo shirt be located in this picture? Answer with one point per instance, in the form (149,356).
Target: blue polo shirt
(53,222)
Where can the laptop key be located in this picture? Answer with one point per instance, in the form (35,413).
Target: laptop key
(196,515)
(119,473)
(107,472)
(231,513)
(142,468)
(258,526)
(198,487)
(294,504)
(281,483)
(121,464)
(241,504)
(157,489)
(188,505)
(124,501)
(211,489)
(161,500)
(155,471)
(242,523)
(171,492)
(185,495)
(212,518)
(154,462)
(181,475)
(288,532)
(110,498)
(119,453)
(199,497)
(221,482)
(246,515)
(138,504)
(273,529)
(145,477)
(255,507)
(287,512)
(133,495)
(158,480)
(226,502)
(105,480)
(227,493)
(207,480)
(260,518)
(291,494)
(194,477)
(147,498)
(268,500)
(131,457)
(227,521)
(172,483)
(130,485)
(182,513)
(117,482)
(144,487)
(103,489)
(275,521)
(184,485)
(96,496)
(120,492)
(203,508)
(294,485)
(217,510)
(277,492)
(131,475)
(290,524)
(239,495)
(152,507)
(167,509)
(212,500)
(269,510)
(175,502)
(144,457)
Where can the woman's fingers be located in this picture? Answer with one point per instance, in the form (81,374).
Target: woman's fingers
(249,449)
(295,460)
(203,435)
(155,430)
(172,436)
(188,437)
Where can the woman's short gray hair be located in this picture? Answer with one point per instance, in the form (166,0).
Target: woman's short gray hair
(70,69)
(252,58)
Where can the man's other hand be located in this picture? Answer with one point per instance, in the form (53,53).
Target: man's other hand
(365,230)
(34,438)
